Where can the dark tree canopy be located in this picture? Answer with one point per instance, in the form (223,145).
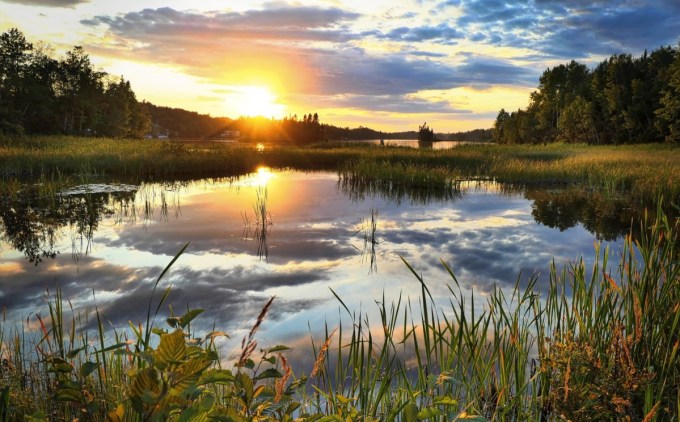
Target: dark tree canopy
(622,100)
(40,94)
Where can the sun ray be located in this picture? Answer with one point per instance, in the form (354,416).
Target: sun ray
(254,101)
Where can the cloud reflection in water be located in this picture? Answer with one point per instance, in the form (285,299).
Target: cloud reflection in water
(486,234)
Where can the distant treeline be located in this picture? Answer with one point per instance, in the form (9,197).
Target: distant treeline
(622,100)
(335,133)
(43,95)
(180,123)
(476,135)
(361,133)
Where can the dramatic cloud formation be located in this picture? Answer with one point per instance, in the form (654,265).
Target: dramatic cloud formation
(571,29)
(48,3)
(346,52)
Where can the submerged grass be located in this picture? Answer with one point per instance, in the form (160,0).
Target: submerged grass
(595,344)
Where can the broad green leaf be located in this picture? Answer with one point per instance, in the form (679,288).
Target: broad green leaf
(216,376)
(159,331)
(331,418)
(193,414)
(429,412)
(248,364)
(410,413)
(189,316)
(87,368)
(268,373)
(171,350)
(445,401)
(60,367)
(344,400)
(69,395)
(144,380)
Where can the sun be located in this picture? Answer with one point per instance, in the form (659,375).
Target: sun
(254,101)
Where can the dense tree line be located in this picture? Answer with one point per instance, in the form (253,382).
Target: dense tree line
(40,94)
(290,129)
(622,100)
(475,135)
(180,123)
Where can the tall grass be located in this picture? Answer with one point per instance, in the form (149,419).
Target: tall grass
(597,343)
(644,170)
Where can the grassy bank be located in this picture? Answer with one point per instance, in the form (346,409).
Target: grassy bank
(642,170)
(597,343)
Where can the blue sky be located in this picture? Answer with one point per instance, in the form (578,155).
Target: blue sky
(385,64)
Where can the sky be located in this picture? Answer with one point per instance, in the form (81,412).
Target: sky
(388,65)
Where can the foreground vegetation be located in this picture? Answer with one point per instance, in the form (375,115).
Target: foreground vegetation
(645,171)
(594,344)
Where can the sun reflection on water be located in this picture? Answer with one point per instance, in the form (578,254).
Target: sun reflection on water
(262,177)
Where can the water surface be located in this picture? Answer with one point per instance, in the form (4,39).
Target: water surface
(291,235)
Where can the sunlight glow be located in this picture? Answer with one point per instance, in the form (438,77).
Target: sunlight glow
(254,101)
(262,177)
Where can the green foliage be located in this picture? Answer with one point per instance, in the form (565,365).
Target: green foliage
(41,94)
(622,100)
(669,112)
(576,123)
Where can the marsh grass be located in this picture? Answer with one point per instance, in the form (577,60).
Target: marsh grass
(643,170)
(258,226)
(597,343)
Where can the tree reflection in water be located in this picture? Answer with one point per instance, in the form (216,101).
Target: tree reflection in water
(33,224)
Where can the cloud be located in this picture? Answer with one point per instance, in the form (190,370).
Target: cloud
(48,3)
(390,104)
(398,75)
(289,45)
(442,33)
(281,23)
(572,28)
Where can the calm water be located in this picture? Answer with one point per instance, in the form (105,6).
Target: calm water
(413,143)
(317,233)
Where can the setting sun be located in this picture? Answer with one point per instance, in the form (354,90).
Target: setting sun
(254,101)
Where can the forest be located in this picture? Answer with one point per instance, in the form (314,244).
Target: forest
(622,100)
(40,94)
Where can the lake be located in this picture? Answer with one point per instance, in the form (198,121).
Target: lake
(414,143)
(287,234)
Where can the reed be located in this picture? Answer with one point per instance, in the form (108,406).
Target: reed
(597,343)
(644,170)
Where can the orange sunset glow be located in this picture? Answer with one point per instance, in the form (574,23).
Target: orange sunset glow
(387,65)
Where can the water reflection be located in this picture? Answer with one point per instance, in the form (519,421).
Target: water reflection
(368,231)
(258,225)
(304,233)
(359,189)
(32,223)
(607,217)
(36,225)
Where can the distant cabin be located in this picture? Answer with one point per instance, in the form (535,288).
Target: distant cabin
(230,134)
